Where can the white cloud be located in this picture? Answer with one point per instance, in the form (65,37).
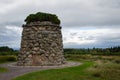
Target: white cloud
(88,37)
(11,36)
(71,12)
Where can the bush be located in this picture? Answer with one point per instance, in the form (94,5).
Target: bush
(117,61)
(7,59)
(11,58)
(40,16)
(97,74)
(9,53)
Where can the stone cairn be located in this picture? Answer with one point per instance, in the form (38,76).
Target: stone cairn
(41,44)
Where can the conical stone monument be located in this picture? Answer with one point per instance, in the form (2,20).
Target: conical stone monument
(41,42)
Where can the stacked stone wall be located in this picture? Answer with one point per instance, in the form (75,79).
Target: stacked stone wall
(41,44)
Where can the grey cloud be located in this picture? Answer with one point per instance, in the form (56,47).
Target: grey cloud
(64,38)
(104,44)
(110,3)
(73,34)
(102,39)
(109,36)
(80,14)
(76,45)
(6,1)
(72,13)
(10,37)
(87,38)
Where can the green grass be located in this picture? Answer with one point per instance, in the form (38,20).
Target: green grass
(93,68)
(101,70)
(72,73)
(3,69)
(5,59)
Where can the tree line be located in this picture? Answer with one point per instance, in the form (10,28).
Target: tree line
(94,51)
(5,50)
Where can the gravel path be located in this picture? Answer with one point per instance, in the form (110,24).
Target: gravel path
(15,71)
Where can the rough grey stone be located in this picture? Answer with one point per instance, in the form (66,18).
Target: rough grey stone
(41,44)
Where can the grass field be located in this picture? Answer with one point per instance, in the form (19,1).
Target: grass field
(4,59)
(93,68)
(101,69)
(105,70)
(73,73)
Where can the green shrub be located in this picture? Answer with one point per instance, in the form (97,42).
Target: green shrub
(11,58)
(117,60)
(40,16)
(7,59)
(9,53)
(97,74)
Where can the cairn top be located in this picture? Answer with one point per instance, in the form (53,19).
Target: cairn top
(40,16)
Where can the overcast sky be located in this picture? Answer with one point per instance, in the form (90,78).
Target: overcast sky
(85,23)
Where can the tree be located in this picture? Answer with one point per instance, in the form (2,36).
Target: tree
(6,49)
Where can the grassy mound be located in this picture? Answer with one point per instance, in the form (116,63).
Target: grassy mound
(40,16)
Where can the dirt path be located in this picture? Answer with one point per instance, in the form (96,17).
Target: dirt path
(15,71)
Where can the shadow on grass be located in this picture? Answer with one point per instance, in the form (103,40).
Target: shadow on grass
(3,70)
